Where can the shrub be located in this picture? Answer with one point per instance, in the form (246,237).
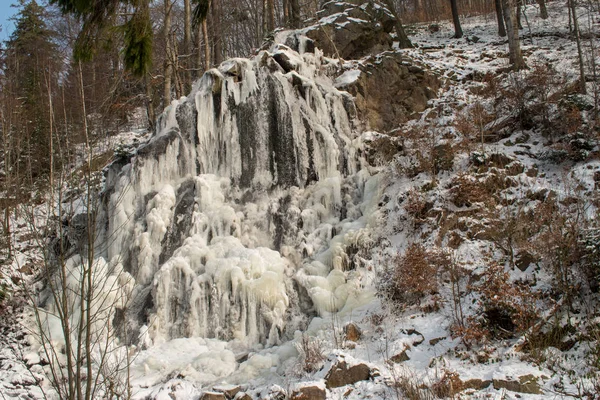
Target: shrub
(413,275)
(504,308)
(311,353)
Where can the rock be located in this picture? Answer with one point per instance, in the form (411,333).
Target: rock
(283,59)
(352,332)
(352,29)
(433,28)
(230,391)
(341,374)
(435,341)
(388,94)
(213,396)
(400,357)
(526,384)
(524,259)
(276,392)
(242,396)
(312,392)
(476,384)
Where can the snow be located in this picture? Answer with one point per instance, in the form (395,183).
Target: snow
(347,78)
(226,299)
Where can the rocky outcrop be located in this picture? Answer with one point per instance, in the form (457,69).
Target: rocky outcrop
(341,374)
(390,90)
(352,29)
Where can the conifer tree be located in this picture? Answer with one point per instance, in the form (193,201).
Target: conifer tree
(31,67)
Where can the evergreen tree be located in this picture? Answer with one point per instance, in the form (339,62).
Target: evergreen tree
(30,70)
(98,16)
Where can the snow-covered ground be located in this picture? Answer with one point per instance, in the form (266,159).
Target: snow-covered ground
(401,347)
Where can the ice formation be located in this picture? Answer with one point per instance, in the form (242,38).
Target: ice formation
(235,218)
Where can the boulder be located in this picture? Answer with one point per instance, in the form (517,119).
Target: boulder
(311,392)
(352,29)
(276,392)
(213,396)
(524,259)
(391,90)
(400,357)
(341,374)
(525,384)
(230,391)
(352,332)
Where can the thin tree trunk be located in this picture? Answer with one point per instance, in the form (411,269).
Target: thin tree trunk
(403,40)
(206,45)
(168,66)
(286,13)
(149,102)
(295,11)
(501,28)
(187,46)
(519,11)
(543,9)
(458,33)
(514,46)
(270,16)
(217,34)
(199,64)
(582,88)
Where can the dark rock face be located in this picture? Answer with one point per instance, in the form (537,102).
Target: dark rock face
(353,29)
(182,221)
(341,374)
(391,90)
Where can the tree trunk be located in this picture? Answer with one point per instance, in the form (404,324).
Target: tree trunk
(206,45)
(404,41)
(582,88)
(217,38)
(295,13)
(149,102)
(270,16)
(514,46)
(519,11)
(501,28)
(543,9)
(187,46)
(168,66)
(286,13)
(458,33)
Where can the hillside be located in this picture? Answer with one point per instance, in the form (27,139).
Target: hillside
(335,217)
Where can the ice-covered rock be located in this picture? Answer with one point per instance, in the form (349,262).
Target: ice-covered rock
(235,217)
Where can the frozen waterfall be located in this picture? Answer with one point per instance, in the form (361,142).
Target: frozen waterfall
(236,218)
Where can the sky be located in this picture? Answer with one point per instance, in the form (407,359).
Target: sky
(6,11)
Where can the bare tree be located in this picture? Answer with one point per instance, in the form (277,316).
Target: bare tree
(582,86)
(500,18)
(543,9)
(458,33)
(514,46)
(168,63)
(404,41)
